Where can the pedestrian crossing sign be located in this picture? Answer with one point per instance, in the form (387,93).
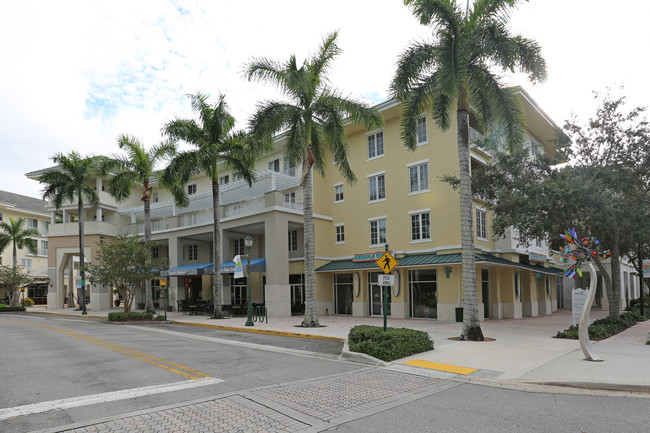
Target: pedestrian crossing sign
(386,263)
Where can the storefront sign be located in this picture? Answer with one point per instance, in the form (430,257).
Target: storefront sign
(534,257)
(367,257)
(646,269)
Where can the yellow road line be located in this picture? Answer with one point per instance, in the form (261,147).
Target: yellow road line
(264,331)
(441,367)
(158,362)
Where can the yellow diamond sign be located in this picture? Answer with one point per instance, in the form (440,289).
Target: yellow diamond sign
(386,263)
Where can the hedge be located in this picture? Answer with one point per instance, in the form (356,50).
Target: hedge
(393,344)
(10,309)
(127,317)
(606,327)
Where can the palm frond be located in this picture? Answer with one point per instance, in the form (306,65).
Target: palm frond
(418,59)
(320,63)
(446,13)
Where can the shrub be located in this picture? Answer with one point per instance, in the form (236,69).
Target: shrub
(635,306)
(28,302)
(393,344)
(605,327)
(126,317)
(6,309)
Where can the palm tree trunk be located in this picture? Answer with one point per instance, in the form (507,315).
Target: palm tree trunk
(217,281)
(471,325)
(82,273)
(15,259)
(311,311)
(147,237)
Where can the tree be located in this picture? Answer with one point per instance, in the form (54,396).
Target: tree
(605,187)
(315,120)
(454,73)
(13,233)
(71,179)
(216,142)
(124,263)
(12,279)
(138,166)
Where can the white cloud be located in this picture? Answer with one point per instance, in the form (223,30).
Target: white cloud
(75,74)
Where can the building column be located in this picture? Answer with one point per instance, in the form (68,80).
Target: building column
(276,252)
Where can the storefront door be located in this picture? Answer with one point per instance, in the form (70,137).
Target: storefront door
(376,297)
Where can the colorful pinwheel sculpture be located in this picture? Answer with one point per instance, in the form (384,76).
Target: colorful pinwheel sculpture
(579,250)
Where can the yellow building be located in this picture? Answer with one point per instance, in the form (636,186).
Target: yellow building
(398,200)
(34,211)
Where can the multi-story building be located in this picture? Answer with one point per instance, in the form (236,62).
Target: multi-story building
(34,211)
(399,200)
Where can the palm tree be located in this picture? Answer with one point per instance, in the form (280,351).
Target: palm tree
(216,142)
(71,178)
(137,167)
(13,233)
(454,73)
(315,120)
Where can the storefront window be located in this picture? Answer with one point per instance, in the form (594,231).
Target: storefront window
(343,289)
(423,288)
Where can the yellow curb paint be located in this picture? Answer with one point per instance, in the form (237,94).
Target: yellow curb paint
(441,367)
(264,331)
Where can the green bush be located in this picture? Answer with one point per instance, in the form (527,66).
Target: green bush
(635,306)
(6,309)
(126,317)
(393,344)
(605,327)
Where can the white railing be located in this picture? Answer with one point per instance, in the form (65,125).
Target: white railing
(244,207)
(293,205)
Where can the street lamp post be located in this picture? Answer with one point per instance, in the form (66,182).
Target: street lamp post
(248,241)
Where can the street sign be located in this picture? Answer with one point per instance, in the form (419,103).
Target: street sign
(163,283)
(386,280)
(386,263)
(646,269)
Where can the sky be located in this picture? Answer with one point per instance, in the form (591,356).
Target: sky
(76,74)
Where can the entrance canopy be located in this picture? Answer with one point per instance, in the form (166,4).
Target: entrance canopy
(257,265)
(192,269)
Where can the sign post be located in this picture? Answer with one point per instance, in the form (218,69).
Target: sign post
(646,274)
(163,285)
(386,263)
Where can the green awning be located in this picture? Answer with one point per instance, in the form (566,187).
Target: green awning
(433,260)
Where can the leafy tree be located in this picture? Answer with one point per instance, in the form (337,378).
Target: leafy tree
(314,118)
(13,233)
(124,263)
(216,143)
(604,188)
(454,73)
(71,179)
(138,166)
(12,279)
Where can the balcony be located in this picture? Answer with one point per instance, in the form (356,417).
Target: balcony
(90,228)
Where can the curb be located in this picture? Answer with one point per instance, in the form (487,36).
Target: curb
(69,315)
(263,331)
(596,386)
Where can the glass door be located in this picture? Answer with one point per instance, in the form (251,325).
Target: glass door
(376,296)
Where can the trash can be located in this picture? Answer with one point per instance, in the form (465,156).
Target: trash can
(459,314)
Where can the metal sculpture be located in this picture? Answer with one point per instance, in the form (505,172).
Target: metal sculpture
(583,250)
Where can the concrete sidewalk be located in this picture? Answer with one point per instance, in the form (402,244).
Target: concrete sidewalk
(523,350)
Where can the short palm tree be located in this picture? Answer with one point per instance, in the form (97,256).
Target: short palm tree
(216,142)
(454,73)
(315,119)
(71,179)
(13,233)
(138,166)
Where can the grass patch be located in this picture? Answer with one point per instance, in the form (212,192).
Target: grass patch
(393,344)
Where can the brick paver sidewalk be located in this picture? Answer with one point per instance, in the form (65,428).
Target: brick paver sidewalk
(312,405)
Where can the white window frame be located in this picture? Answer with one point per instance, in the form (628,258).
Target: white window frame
(338,191)
(239,247)
(274,165)
(481,223)
(290,197)
(155,252)
(224,180)
(377,222)
(192,252)
(340,233)
(417,165)
(293,240)
(154,197)
(421,233)
(375,136)
(421,120)
(43,248)
(191,189)
(376,176)
(26,263)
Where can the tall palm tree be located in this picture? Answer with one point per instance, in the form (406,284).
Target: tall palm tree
(13,233)
(138,166)
(71,179)
(454,73)
(216,142)
(315,119)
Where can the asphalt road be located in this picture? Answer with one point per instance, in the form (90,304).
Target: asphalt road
(49,358)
